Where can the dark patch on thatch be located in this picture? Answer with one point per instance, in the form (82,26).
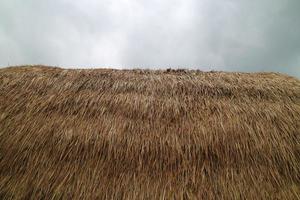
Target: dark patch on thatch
(135,134)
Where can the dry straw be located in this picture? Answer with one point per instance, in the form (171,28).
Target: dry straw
(143,134)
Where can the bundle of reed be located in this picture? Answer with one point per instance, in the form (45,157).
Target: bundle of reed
(148,134)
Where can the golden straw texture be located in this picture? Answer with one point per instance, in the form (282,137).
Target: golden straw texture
(145,134)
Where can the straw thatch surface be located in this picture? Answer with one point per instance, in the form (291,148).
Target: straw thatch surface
(140,134)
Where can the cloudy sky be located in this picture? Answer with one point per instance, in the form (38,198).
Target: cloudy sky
(229,35)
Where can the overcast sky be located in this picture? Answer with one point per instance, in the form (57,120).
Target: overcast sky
(229,35)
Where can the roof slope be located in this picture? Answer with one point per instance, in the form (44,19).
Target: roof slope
(134,134)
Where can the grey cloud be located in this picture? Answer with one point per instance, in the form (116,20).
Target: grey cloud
(229,35)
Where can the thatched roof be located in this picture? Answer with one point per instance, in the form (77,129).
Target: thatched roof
(142,134)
